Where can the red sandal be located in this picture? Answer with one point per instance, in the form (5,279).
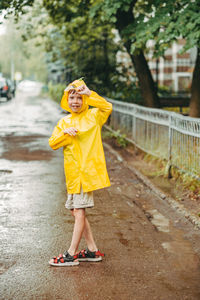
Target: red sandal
(64,260)
(87,255)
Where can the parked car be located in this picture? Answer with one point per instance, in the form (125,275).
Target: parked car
(12,86)
(5,88)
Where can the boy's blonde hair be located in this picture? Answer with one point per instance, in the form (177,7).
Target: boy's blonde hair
(72,92)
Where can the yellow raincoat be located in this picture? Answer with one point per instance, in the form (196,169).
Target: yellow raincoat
(84,160)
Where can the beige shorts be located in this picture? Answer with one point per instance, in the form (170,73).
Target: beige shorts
(81,200)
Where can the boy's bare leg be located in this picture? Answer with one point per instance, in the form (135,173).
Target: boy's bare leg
(89,236)
(79,225)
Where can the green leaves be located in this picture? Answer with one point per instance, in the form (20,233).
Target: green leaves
(166,22)
(110,9)
(162,21)
(14,6)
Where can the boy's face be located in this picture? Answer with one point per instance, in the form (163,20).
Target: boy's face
(75,101)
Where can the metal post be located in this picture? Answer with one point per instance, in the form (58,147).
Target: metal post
(134,128)
(169,163)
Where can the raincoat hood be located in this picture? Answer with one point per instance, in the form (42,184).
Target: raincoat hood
(74,86)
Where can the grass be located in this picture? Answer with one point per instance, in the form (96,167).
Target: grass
(160,168)
(117,135)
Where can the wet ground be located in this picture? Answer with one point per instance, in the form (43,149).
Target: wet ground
(151,251)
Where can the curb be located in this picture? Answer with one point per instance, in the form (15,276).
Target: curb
(172,202)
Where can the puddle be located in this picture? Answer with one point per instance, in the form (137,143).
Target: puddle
(122,240)
(161,223)
(27,155)
(167,246)
(183,253)
(120,215)
(20,148)
(135,181)
(5,266)
(130,204)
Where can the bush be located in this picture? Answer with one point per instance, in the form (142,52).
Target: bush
(56,91)
(118,136)
(126,91)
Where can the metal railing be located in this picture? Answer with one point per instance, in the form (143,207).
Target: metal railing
(164,134)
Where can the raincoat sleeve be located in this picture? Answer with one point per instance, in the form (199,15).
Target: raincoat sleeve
(104,107)
(59,138)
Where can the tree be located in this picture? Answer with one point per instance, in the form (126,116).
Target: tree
(137,21)
(85,47)
(195,89)
(14,6)
(165,22)
(120,14)
(162,21)
(24,57)
(75,17)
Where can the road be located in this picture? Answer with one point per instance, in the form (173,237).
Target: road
(151,251)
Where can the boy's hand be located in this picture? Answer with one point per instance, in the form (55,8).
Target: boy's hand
(83,90)
(71,131)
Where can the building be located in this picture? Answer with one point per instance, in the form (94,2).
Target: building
(173,71)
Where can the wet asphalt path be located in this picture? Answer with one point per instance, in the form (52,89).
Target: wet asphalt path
(151,251)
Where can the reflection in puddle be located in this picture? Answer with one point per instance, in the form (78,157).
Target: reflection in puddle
(161,223)
(5,171)
(184,255)
(120,215)
(167,246)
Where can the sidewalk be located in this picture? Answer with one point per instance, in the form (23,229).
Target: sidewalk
(170,190)
(151,251)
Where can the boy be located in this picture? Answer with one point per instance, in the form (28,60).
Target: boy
(84,163)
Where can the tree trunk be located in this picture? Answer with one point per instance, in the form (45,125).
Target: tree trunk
(146,82)
(195,89)
(106,59)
